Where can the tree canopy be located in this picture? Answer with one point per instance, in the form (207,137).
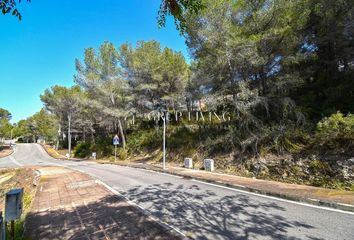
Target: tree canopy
(4,114)
(10,7)
(5,125)
(40,125)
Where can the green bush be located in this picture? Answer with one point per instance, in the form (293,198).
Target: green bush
(122,154)
(82,150)
(180,139)
(103,147)
(144,140)
(317,166)
(336,127)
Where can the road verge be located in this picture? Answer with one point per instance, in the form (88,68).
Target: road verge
(5,151)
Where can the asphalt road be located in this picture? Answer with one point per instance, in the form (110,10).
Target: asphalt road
(202,210)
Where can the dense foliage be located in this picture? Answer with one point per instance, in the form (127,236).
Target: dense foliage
(40,126)
(5,125)
(336,128)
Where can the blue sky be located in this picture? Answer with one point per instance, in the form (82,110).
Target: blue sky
(39,51)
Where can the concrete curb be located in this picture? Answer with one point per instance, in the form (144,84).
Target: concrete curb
(63,158)
(36,181)
(316,202)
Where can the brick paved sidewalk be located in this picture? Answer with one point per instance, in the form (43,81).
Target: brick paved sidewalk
(71,205)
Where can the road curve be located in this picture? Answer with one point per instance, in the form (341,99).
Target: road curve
(201,210)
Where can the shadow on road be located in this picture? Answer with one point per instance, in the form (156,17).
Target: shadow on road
(109,218)
(204,215)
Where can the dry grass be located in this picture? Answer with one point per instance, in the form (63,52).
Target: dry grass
(52,152)
(5,151)
(16,178)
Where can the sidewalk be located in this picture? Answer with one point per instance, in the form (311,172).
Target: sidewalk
(339,199)
(71,205)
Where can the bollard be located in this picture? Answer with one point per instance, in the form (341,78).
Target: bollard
(188,163)
(209,165)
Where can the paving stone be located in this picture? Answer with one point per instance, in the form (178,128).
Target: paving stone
(73,206)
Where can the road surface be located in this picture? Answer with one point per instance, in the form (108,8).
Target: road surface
(202,210)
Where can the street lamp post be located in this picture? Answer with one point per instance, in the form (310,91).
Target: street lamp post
(58,139)
(164,142)
(11,137)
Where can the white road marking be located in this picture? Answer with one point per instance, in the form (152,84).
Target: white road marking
(142,208)
(14,161)
(152,171)
(170,175)
(274,198)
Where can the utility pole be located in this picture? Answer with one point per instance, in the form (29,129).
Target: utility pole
(69,134)
(58,138)
(11,137)
(164,142)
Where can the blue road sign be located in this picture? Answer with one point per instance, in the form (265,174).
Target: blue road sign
(116,140)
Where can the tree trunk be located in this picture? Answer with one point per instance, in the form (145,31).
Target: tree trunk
(58,139)
(84,134)
(121,132)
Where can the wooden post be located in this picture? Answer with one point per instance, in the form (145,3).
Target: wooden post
(2,234)
(12,230)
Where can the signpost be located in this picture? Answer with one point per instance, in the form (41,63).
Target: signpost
(13,208)
(164,142)
(115,143)
(2,229)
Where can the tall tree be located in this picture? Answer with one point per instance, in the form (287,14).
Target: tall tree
(329,66)
(244,54)
(41,124)
(5,125)
(157,76)
(101,77)
(176,8)
(5,114)
(64,103)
